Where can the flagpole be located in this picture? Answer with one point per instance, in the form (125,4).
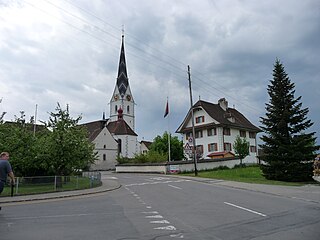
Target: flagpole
(169,135)
(166,113)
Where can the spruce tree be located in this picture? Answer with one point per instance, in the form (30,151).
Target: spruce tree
(288,150)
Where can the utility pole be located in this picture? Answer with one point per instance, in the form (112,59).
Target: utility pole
(193,130)
(35,120)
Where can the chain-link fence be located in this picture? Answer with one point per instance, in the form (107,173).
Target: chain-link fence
(46,184)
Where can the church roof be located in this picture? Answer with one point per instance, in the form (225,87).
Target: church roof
(94,128)
(120,127)
(122,79)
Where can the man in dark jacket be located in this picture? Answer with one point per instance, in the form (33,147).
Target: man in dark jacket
(5,170)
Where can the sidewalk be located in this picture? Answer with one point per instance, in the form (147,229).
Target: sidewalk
(107,185)
(309,193)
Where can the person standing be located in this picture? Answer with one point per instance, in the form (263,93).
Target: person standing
(5,170)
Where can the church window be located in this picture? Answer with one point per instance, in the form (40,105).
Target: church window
(128,109)
(116,109)
(104,157)
(104,146)
(119,145)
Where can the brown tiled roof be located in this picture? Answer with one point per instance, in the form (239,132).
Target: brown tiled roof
(147,143)
(221,116)
(120,127)
(29,126)
(94,128)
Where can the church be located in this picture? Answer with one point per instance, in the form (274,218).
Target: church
(115,137)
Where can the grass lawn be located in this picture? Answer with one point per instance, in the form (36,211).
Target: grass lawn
(251,174)
(74,183)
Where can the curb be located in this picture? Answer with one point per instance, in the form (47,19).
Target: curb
(57,195)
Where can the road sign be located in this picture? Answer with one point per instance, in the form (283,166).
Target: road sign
(190,141)
(187,147)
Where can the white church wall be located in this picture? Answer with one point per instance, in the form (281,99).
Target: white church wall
(107,149)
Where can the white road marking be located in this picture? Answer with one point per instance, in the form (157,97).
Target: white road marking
(170,228)
(152,183)
(153,212)
(154,216)
(159,178)
(246,209)
(174,186)
(149,207)
(179,235)
(162,221)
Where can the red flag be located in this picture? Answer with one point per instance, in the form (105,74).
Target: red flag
(167,110)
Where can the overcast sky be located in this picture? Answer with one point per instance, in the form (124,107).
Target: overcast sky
(67,51)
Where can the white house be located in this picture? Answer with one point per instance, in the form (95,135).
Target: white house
(115,136)
(216,128)
(145,146)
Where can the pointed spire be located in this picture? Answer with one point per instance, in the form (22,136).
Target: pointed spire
(122,79)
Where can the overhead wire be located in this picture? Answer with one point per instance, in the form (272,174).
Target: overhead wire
(149,55)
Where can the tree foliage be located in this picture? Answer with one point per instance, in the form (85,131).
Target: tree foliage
(160,144)
(288,150)
(58,151)
(149,157)
(241,148)
(66,148)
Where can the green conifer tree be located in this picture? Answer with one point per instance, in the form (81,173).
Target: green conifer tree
(288,150)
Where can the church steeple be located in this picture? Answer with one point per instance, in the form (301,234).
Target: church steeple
(122,79)
(122,96)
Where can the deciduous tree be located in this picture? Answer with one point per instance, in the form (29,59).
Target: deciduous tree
(241,148)
(161,145)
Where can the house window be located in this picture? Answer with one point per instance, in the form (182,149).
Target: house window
(243,133)
(212,147)
(188,135)
(199,134)
(226,131)
(200,119)
(253,149)
(199,149)
(212,131)
(128,109)
(227,147)
(104,157)
(252,135)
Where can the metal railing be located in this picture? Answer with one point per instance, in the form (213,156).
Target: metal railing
(46,184)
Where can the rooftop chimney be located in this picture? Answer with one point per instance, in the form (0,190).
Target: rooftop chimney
(223,103)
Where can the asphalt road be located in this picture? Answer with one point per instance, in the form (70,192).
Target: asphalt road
(164,207)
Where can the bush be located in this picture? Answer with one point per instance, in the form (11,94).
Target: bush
(150,157)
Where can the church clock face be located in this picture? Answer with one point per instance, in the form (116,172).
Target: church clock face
(116,97)
(128,97)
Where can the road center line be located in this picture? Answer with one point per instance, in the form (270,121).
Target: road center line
(246,209)
(174,186)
